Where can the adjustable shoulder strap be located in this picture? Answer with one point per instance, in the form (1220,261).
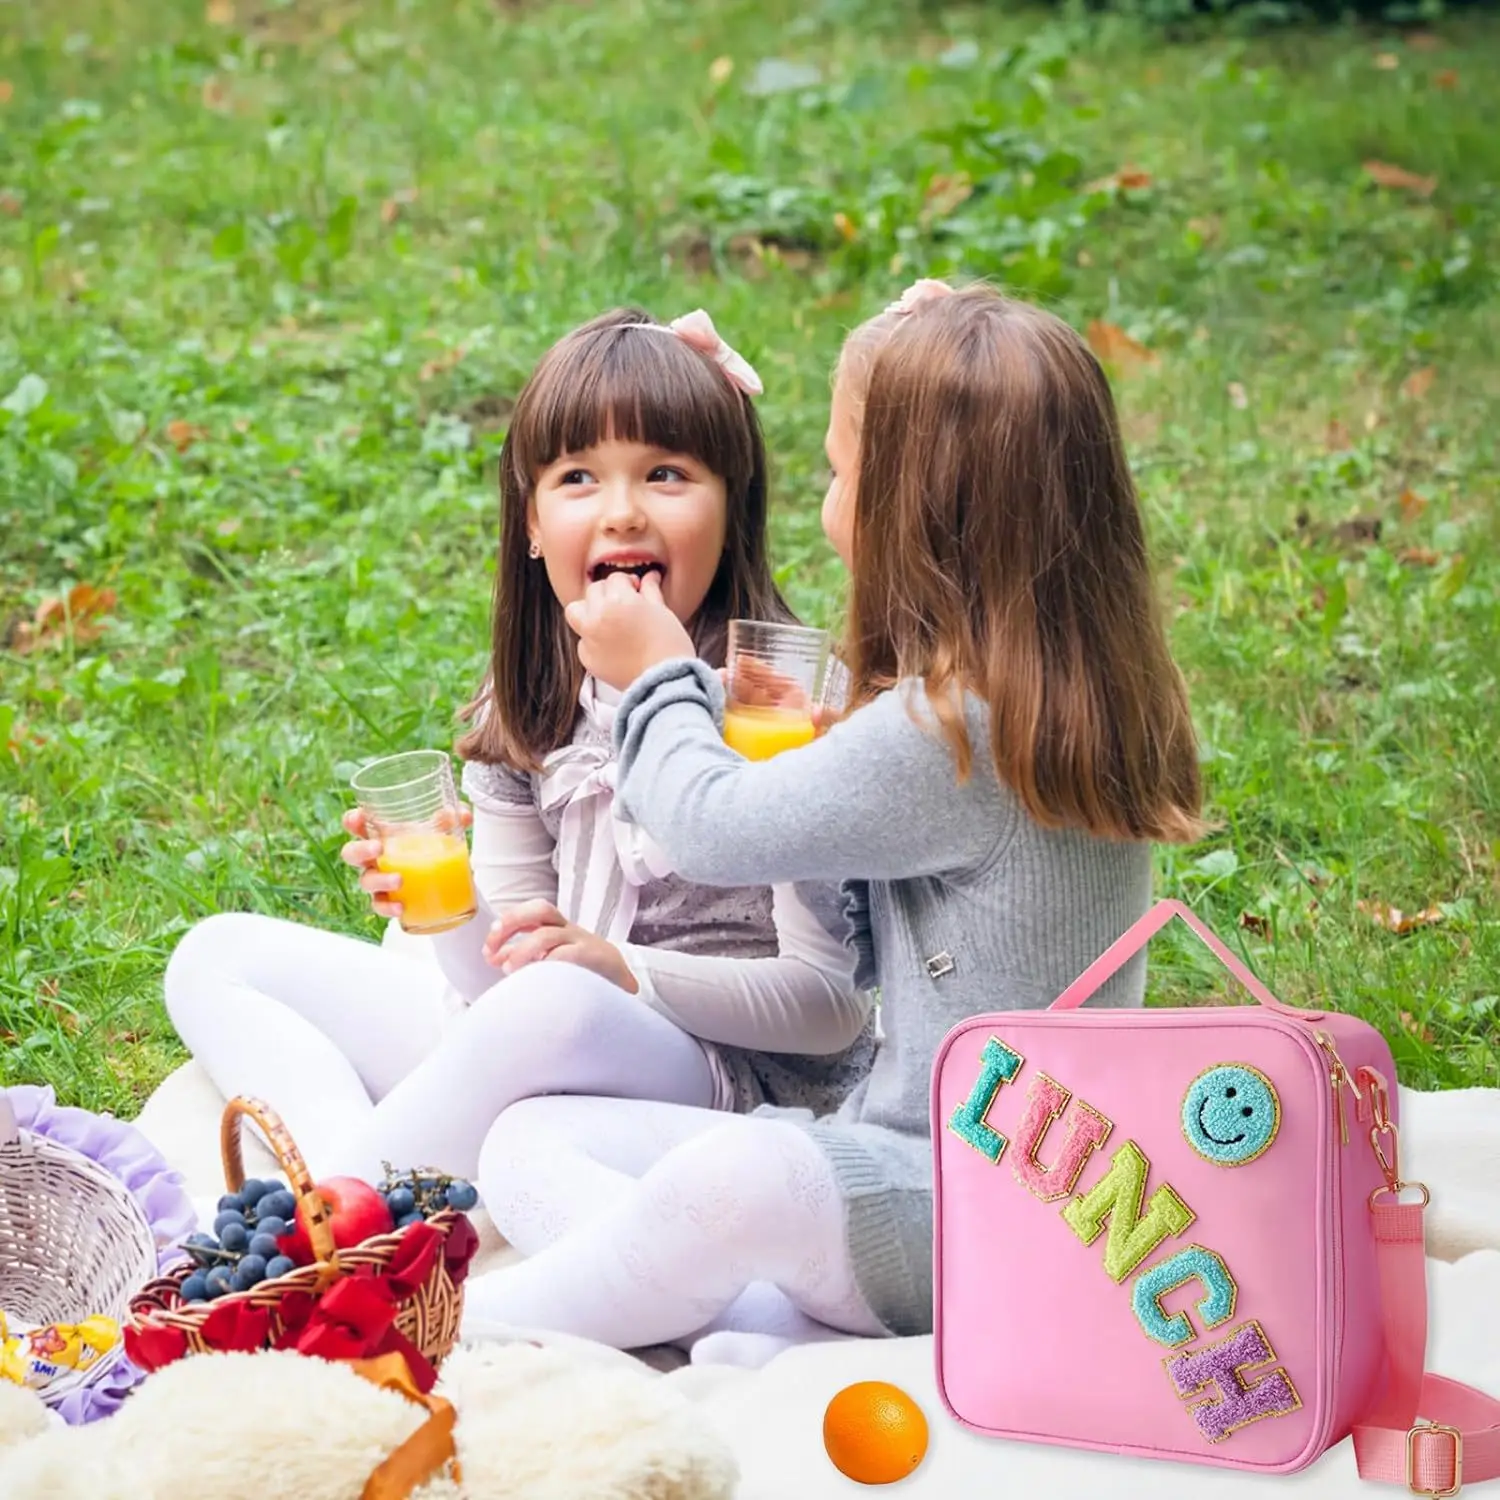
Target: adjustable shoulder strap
(1457,1439)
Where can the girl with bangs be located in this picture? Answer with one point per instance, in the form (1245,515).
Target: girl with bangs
(592,966)
(1017,737)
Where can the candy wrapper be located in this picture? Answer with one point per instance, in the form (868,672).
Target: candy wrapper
(36,1356)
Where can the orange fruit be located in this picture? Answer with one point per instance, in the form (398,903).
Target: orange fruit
(874,1432)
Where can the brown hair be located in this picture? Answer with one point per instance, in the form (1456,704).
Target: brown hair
(606,379)
(998,546)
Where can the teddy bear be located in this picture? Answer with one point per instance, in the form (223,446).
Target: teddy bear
(529,1420)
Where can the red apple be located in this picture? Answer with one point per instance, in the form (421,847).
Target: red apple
(356,1212)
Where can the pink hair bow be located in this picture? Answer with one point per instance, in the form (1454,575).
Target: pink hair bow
(696,330)
(919,291)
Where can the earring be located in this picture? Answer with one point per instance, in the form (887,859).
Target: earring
(534,550)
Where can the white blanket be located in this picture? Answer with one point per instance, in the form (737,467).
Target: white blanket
(773,1417)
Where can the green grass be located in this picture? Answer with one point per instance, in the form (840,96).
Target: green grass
(329,240)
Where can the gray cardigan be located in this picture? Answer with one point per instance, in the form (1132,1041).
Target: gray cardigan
(963,904)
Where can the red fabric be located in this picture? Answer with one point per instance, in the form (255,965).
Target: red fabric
(150,1348)
(354,1319)
(236,1328)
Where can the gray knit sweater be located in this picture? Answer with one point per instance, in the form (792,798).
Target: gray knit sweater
(965,905)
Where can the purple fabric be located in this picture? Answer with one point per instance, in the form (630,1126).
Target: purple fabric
(126,1154)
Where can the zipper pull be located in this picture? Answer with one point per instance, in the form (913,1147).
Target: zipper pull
(1340,1077)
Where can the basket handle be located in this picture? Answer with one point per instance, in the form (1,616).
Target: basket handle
(284,1148)
(9,1130)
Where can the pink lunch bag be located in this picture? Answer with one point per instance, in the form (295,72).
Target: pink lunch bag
(1179,1233)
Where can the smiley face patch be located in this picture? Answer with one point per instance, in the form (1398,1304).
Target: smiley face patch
(1230,1114)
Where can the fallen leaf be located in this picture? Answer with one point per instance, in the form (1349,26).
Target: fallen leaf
(1372,420)
(10,204)
(81,608)
(1254,922)
(1447,78)
(182,435)
(845,226)
(944,193)
(390,210)
(1415,1027)
(1113,346)
(1084,258)
(1424,41)
(1419,382)
(1383,174)
(1358,530)
(215,93)
(1412,505)
(1419,557)
(1393,919)
(779,75)
(1127,179)
(442,363)
(1387,61)
(793,257)
(1336,437)
(1238,397)
(720,69)
(242,424)
(219,13)
(7,91)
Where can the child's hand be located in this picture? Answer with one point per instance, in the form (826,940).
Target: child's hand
(540,931)
(822,717)
(364,849)
(624,628)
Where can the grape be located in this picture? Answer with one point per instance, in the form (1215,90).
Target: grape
(411,1218)
(232,1200)
(264,1245)
(281,1205)
(234,1237)
(228,1217)
(400,1201)
(194,1288)
(254,1190)
(217,1282)
(461,1195)
(279,1265)
(270,1224)
(252,1270)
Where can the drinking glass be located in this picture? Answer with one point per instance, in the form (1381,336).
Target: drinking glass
(775,678)
(411,805)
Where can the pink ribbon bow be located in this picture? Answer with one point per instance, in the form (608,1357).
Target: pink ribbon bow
(696,330)
(918,292)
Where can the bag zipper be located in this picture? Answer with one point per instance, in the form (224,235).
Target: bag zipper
(1339,1078)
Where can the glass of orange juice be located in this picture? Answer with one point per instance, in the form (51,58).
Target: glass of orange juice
(774,679)
(412,807)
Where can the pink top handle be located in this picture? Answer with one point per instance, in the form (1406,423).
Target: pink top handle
(1136,938)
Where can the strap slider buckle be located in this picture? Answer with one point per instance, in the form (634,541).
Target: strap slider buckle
(1422,1429)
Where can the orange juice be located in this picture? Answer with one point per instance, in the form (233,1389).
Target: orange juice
(760,733)
(437,889)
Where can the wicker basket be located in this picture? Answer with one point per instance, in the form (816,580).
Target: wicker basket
(429,1316)
(73,1241)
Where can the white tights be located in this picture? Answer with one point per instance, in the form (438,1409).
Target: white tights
(645,1222)
(352,1044)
